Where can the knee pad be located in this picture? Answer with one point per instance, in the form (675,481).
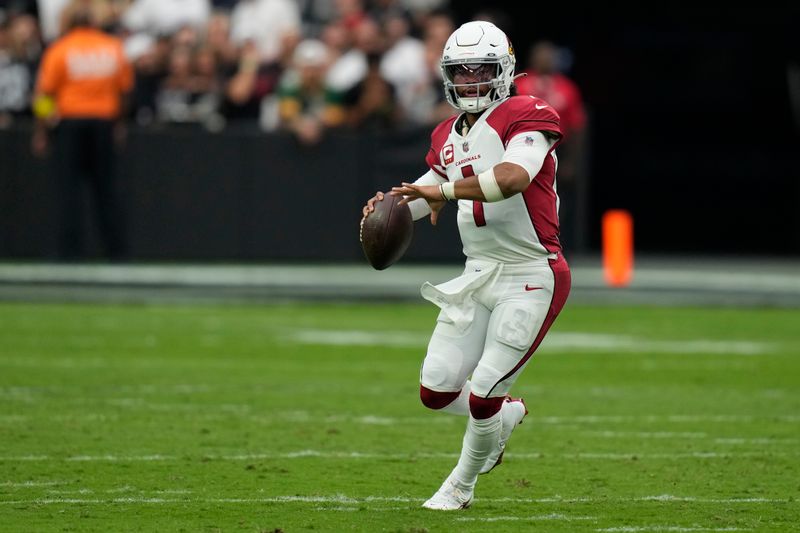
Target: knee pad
(436,400)
(481,408)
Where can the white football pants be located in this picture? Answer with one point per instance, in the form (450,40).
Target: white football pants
(492,319)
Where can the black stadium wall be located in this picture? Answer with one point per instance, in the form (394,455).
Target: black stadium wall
(248,196)
(238,195)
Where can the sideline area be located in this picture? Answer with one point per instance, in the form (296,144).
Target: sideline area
(656,281)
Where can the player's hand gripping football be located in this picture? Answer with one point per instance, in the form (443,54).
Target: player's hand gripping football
(430,193)
(370,207)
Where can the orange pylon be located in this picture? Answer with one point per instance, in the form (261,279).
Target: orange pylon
(617,247)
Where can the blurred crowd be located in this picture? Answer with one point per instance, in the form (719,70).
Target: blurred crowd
(302,65)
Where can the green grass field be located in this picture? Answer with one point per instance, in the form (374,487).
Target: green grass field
(306,417)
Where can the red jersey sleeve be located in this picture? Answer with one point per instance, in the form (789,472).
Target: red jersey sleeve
(438,140)
(519,114)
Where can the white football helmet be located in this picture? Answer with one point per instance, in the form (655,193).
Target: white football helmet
(478,51)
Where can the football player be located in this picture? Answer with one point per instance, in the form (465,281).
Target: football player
(496,161)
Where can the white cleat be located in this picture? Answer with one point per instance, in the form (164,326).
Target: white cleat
(449,497)
(512,417)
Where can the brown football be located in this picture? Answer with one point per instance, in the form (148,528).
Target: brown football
(386,232)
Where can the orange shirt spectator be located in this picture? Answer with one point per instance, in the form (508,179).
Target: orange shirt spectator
(87,73)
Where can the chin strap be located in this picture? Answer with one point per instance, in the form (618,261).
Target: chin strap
(520,75)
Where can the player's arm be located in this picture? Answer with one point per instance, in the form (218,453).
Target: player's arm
(522,161)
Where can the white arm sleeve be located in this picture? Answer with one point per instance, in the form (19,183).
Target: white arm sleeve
(528,150)
(419,207)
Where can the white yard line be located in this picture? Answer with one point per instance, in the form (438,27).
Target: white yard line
(246,411)
(553,517)
(647,434)
(117,490)
(653,418)
(557,341)
(19,484)
(749,440)
(119,458)
(673,498)
(301,454)
(341,499)
(686,455)
(666,528)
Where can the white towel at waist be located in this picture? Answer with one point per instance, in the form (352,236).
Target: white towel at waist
(455,297)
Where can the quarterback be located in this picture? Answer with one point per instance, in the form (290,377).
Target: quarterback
(496,160)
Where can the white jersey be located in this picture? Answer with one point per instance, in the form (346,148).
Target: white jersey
(523,227)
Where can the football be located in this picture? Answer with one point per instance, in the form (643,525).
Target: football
(386,232)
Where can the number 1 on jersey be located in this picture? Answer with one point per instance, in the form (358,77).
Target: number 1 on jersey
(477,207)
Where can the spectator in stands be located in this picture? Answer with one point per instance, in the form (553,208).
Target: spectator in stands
(251,82)
(371,102)
(149,56)
(404,65)
(350,13)
(81,84)
(380,9)
(50,18)
(190,93)
(187,37)
(218,39)
(224,4)
(206,70)
(421,10)
(430,106)
(351,67)
(546,80)
(306,105)
(437,27)
(337,39)
(166,17)
(20,47)
(273,25)
(51,15)
(316,15)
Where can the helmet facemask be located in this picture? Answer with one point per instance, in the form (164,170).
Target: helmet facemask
(472,86)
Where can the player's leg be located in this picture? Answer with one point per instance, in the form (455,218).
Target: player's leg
(518,325)
(452,356)
(482,434)
(480,438)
